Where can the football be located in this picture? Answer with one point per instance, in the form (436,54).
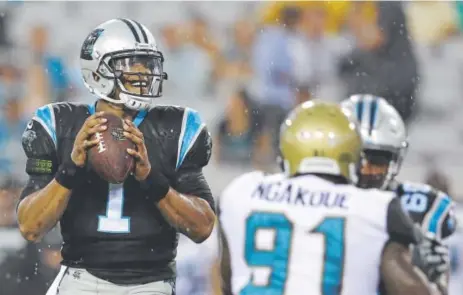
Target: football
(109,158)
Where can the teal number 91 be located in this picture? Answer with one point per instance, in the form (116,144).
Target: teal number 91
(277,259)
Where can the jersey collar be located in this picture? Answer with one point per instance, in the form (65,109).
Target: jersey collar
(137,120)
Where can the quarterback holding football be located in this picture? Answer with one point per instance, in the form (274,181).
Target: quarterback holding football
(121,176)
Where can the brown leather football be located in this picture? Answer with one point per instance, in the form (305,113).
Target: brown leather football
(109,158)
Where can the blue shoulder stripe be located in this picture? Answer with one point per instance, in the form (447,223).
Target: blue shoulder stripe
(46,117)
(437,213)
(191,128)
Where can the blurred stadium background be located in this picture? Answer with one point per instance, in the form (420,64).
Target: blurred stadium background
(242,65)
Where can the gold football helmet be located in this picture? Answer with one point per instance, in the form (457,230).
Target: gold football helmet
(320,137)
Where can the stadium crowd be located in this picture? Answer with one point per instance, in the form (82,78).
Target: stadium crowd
(242,65)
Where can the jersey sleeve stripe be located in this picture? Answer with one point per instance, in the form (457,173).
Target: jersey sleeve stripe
(46,117)
(437,214)
(191,128)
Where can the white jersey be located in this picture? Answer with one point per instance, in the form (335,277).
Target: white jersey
(303,235)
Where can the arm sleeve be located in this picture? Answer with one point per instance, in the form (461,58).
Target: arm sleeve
(189,178)
(400,226)
(440,219)
(430,208)
(42,161)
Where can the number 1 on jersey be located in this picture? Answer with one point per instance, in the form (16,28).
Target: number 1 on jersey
(113,222)
(332,228)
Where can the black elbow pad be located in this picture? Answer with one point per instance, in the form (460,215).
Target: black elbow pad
(400,226)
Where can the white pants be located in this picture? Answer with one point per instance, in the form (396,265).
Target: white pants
(76,281)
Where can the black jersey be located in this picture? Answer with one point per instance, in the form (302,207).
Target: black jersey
(428,207)
(114,231)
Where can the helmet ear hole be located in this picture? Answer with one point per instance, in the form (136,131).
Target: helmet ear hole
(97,84)
(95,77)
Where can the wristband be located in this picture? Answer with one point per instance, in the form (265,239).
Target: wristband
(69,174)
(156,186)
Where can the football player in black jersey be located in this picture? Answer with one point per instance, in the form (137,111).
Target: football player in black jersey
(118,239)
(385,144)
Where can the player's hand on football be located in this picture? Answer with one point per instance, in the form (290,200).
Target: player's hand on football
(142,163)
(82,143)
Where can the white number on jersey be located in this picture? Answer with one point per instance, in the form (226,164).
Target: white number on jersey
(415,202)
(113,222)
(278,258)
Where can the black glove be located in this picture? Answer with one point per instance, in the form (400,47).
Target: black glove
(432,258)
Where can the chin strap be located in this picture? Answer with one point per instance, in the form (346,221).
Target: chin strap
(131,102)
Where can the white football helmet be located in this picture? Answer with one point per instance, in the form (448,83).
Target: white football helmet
(121,63)
(383,134)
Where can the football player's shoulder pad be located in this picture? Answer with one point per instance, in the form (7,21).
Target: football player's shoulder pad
(166,114)
(40,139)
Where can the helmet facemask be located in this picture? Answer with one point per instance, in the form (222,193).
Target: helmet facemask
(137,76)
(379,167)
